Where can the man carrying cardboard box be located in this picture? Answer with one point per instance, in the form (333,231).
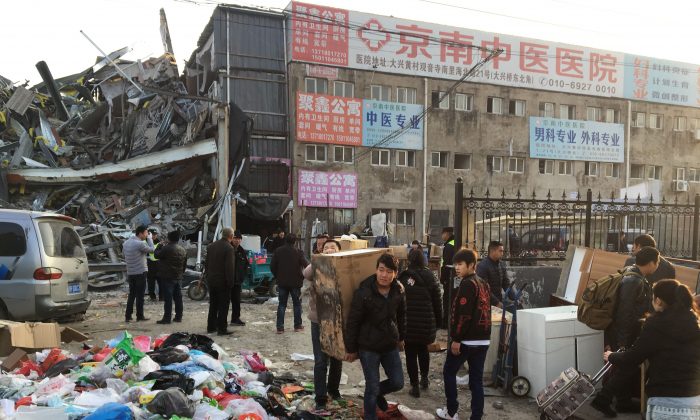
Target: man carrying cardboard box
(375,333)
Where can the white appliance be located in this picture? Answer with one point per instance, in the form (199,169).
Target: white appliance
(551,340)
(251,243)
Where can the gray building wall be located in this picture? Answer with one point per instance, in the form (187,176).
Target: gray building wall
(482,134)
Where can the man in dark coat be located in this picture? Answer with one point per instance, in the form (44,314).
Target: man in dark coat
(172,262)
(242,265)
(666,270)
(448,252)
(287,266)
(375,333)
(220,266)
(493,271)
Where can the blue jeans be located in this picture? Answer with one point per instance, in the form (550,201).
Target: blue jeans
(475,356)
(321,364)
(391,362)
(171,291)
(283,296)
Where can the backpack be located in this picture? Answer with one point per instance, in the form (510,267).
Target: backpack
(599,300)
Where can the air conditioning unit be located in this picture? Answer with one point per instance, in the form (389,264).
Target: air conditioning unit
(697,134)
(680,186)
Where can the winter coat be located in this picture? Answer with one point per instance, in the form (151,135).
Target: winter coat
(633,301)
(172,262)
(495,273)
(670,341)
(242,265)
(423,305)
(448,254)
(376,323)
(287,265)
(220,264)
(471,311)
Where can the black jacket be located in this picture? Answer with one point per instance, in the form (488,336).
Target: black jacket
(448,254)
(287,266)
(220,264)
(670,341)
(172,261)
(242,265)
(423,305)
(376,323)
(633,301)
(496,275)
(471,310)
(666,270)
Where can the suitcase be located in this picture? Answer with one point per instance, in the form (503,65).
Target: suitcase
(560,399)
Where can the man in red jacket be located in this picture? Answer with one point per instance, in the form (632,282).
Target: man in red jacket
(470,332)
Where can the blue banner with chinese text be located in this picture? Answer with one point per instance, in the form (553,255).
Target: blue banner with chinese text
(381,119)
(552,138)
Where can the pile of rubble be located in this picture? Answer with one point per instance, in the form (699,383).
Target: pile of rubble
(180,375)
(118,144)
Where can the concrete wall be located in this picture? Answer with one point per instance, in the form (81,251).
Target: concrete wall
(482,134)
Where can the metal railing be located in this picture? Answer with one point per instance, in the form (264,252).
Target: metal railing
(536,228)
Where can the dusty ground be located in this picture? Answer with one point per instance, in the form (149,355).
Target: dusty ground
(105,319)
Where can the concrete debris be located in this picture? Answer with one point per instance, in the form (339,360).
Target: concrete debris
(109,152)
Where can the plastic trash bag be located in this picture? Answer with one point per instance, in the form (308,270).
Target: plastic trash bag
(255,364)
(172,401)
(117,385)
(142,343)
(62,367)
(207,412)
(123,356)
(146,366)
(245,407)
(169,355)
(169,378)
(59,385)
(298,357)
(111,411)
(414,414)
(97,398)
(54,356)
(203,359)
(100,374)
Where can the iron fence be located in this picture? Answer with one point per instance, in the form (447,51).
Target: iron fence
(536,228)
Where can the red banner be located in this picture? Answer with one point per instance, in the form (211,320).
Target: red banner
(329,119)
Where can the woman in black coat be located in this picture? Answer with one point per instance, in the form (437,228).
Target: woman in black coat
(670,340)
(423,315)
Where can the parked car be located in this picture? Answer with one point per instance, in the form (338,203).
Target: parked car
(43,267)
(551,238)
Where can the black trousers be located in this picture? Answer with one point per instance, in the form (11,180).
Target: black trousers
(417,355)
(219,298)
(137,287)
(235,302)
(152,276)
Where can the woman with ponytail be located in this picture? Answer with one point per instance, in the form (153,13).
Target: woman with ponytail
(670,340)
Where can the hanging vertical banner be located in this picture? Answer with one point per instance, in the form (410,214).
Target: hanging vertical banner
(552,138)
(336,190)
(382,119)
(329,119)
(669,82)
(320,34)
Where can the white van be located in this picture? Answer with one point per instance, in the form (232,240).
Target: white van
(43,267)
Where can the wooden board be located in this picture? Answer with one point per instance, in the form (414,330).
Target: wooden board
(337,276)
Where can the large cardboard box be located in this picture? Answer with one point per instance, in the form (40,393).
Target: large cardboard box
(337,276)
(28,335)
(350,244)
(400,251)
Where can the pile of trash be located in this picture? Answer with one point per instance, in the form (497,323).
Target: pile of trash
(175,376)
(118,144)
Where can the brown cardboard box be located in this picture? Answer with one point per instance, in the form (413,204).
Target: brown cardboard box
(350,244)
(436,251)
(337,276)
(14,359)
(28,335)
(400,251)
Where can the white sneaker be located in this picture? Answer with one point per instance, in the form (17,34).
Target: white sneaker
(442,413)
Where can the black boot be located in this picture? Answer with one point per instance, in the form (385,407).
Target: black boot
(414,391)
(424,382)
(602,404)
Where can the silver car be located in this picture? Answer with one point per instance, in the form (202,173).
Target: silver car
(43,267)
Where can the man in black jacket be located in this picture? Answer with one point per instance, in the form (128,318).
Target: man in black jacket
(220,266)
(242,265)
(493,270)
(172,262)
(448,252)
(375,333)
(470,335)
(633,301)
(666,270)
(287,266)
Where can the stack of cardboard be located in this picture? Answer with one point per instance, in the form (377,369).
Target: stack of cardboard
(350,244)
(337,276)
